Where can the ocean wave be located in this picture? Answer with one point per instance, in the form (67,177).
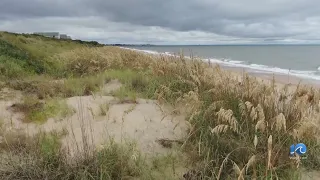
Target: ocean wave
(236,62)
(314,75)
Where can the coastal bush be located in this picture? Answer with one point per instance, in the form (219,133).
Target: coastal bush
(10,68)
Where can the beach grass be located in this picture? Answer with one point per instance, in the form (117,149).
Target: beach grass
(39,111)
(240,127)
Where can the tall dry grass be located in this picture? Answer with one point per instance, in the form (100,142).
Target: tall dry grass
(241,128)
(243,122)
(237,120)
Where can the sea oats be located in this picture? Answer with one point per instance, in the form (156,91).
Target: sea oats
(249,106)
(295,134)
(242,108)
(213,107)
(196,79)
(253,114)
(256,92)
(222,128)
(269,151)
(260,113)
(255,141)
(280,122)
(226,116)
(234,124)
(261,125)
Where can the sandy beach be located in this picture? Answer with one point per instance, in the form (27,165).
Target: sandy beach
(279,78)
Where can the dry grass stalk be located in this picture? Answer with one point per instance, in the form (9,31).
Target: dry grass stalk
(225,160)
(251,162)
(269,165)
(238,171)
(255,141)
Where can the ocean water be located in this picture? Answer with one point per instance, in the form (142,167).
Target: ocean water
(302,61)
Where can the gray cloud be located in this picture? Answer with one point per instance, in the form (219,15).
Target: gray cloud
(167,21)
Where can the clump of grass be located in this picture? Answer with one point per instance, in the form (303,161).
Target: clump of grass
(11,69)
(125,95)
(84,61)
(41,157)
(168,166)
(39,111)
(143,83)
(104,109)
(46,87)
(83,86)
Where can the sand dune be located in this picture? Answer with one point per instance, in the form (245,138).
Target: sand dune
(145,122)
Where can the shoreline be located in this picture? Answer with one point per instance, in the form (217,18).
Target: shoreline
(280,78)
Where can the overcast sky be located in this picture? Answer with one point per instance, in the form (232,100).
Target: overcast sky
(168,21)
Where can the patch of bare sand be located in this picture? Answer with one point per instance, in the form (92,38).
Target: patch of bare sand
(310,175)
(9,97)
(144,122)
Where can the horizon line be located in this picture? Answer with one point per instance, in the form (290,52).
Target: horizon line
(262,44)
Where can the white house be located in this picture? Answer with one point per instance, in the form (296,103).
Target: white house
(56,35)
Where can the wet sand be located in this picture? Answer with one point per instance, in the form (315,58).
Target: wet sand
(280,79)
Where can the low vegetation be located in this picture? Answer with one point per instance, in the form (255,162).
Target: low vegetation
(39,111)
(41,157)
(104,109)
(240,128)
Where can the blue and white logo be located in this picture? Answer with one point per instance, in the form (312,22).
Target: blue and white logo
(300,149)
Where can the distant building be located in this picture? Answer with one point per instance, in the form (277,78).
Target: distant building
(63,36)
(49,34)
(56,35)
